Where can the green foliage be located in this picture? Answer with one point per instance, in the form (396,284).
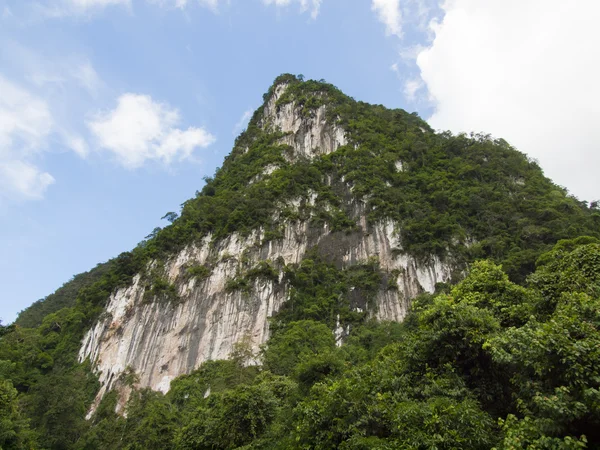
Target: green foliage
(557,372)
(263,270)
(320,291)
(527,433)
(296,342)
(161,289)
(57,404)
(489,287)
(244,282)
(380,403)
(14,428)
(230,419)
(150,421)
(238,284)
(188,391)
(64,297)
(107,430)
(365,341)
(199,272)
(567,271)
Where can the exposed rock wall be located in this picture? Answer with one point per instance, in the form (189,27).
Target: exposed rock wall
(160,340)
(309,136)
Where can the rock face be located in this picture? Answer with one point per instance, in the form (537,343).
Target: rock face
(160,340)
(309,136)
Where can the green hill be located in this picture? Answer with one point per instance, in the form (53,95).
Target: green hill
(504,355)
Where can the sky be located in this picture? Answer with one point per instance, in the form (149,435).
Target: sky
(113,111)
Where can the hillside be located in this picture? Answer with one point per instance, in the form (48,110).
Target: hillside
(278,309)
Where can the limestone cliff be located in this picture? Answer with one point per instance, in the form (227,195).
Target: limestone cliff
(160,339)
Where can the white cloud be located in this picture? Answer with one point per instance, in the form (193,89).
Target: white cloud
(24,119)
(210,4)
(313,6)
(87,77)
(53,72)
(420,13)
(76,143)
(46,73)
(86,5)
(21,180)
(41,79)
(389,13)
(78,8)
(525,71)
(408,54)
(40,115)
(25,123)
(411,87)
(241,124)
(60,82)
(140,129)
(65,8)
(398,16)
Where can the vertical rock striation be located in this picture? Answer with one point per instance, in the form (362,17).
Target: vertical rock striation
(160,340)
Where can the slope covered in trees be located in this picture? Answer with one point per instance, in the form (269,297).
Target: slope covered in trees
(488,364)
(504,358)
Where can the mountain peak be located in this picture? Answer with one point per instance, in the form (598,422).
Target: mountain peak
(301,115)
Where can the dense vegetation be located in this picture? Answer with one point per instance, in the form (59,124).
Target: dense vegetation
(489,364)
(506,358)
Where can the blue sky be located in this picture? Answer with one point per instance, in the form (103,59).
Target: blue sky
(112,111)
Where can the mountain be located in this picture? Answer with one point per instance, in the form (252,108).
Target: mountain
(296,263)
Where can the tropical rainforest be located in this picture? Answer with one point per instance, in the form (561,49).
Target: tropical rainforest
(504,355)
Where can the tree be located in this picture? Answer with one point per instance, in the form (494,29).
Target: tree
(230,419)
(297,342)
(150,421)
(556,373)
(14,428)
(170,216)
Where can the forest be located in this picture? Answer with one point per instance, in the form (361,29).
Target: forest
(502,356)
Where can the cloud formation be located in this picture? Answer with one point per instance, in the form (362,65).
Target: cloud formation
(65,8)
(85,74)
(140,129)
(313,6)
(210,4)
(389,13)
(88,8)
(524,71)
(243,122)
(25,123)
(20,180)
(96,3)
